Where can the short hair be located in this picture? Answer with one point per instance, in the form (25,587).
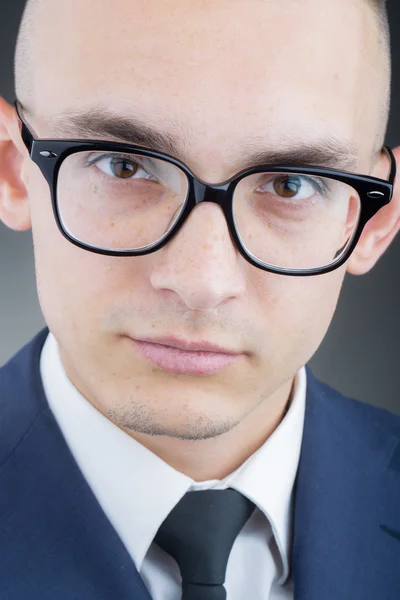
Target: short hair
(24,72)
(382,15)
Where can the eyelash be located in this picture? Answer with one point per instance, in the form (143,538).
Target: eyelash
(318,184)
(98,157)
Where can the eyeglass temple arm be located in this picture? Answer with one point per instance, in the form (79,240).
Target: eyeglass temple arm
(27,133)
(393,167)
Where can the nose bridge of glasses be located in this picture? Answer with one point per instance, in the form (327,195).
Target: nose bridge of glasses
(210,193)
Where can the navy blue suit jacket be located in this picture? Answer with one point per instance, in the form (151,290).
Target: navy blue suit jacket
(56,542)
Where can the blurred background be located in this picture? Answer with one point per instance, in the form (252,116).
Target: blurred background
(360,353)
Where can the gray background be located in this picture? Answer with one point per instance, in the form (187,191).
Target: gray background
(360,353)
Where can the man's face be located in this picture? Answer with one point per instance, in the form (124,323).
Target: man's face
(280,72)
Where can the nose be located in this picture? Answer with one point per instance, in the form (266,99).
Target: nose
(201,263)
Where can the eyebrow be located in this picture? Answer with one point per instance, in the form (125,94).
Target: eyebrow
(100,123)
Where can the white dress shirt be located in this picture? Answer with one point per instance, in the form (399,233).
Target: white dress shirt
(137,490)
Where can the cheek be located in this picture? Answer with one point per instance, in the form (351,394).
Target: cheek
(296,313)
(68,278)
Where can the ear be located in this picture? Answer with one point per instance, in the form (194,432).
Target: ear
(14,203)
(381,230)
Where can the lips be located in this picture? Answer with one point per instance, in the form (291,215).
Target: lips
(188,346)
(193,358)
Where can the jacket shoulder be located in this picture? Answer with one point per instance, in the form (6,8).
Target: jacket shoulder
(356,410)
(22,397)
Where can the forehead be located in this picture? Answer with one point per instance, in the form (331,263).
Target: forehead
(220,68)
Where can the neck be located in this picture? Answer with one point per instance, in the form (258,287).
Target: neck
(216,458)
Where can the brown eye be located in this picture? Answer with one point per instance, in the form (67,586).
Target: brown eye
(287,186)
(123,169)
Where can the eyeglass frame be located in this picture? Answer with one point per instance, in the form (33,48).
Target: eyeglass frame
(49,154)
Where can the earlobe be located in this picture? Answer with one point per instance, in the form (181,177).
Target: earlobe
(378,233)
(14,204)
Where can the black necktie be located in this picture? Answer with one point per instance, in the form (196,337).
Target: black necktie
(199,534)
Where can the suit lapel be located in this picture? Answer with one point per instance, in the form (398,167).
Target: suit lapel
(347,491)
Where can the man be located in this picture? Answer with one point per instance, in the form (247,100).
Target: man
(163,438)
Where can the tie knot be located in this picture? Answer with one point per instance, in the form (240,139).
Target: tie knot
(199,534)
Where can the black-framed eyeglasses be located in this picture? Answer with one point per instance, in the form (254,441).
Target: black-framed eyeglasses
(120,199)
